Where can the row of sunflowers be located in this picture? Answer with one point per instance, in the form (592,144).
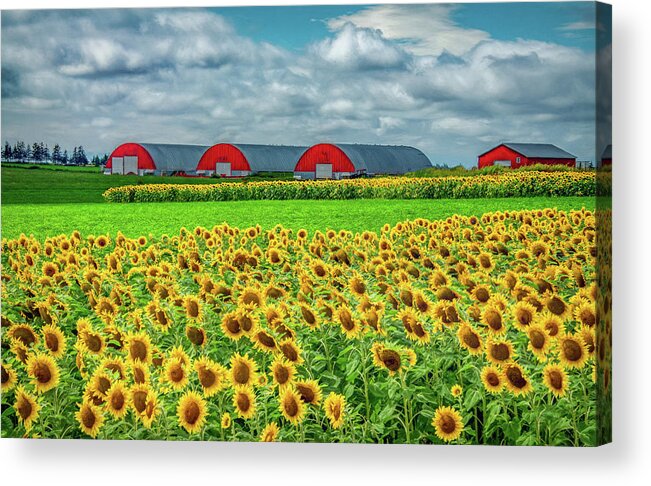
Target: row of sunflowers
(510,184)
(466,330)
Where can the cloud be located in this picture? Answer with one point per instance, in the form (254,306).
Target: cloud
(580,25)
(187,76)
(426,30)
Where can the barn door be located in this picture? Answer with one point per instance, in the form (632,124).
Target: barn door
(131,164)
(323,171)
(503,163)
(223,169)
(117,165)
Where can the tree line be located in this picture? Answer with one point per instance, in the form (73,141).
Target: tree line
(39,152)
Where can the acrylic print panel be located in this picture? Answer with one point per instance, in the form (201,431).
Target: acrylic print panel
(389,225)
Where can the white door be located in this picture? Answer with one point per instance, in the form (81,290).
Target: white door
(323,171)
(131,164)
(503,163)
(117,165)
(223,169)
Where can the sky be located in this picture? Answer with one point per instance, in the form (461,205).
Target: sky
(450,79)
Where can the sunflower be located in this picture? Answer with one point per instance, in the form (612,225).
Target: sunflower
(270,432)
(145,403)
(539,341)
(226,420)
(357,286)
(139,347)
(573,352)
(585,313)
(196,335)
(106,309)
(19,350)
(334,407)
(179,353)
(291,351)
(23,333)
(92,341)
(310,317)
(557,306)
(231,326)
(140,372)
(175,373)
(291,406)
(8,377)
(243,370)
(264,341)
(43,371)
(191,412)
(469,339)
(447,423)
(555,378)
(456,390)
(515,379)
(54,340)
(212,376)
(90,418)
(27,408)
(350,327)
(492,317)
(193,308)
(481,293)
(99,385)
(117,400)
(251,297)
(588,335)
(282,371)
(491,377)
(523,313)
(244,401)
(553,325)
(499,352)
(310,391)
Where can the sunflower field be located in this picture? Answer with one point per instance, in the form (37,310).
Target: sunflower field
(465,330)
(510,184)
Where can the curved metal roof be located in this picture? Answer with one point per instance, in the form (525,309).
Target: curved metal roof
(385,159)
(170,157)
(271,158)
(541,150)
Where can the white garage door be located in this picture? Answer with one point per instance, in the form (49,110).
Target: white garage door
(503,163)
(131,164)
(323,171)
(117,165)
(223,169)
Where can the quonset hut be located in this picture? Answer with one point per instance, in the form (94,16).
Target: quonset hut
(516,155)
(341,160)
(239,160)
(155,158)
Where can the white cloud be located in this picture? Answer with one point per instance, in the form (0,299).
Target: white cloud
(581,25)
(425,30)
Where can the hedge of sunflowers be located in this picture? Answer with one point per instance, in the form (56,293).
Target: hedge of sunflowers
(466,330)
(510,184)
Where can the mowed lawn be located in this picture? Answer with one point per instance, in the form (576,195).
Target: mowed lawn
(154,219)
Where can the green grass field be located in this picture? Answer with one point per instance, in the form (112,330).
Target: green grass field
(48,201)
(33,184)
(43,220)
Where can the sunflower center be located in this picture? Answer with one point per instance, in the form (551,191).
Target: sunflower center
(291,407)
(556,379)
(233,325)
(117,401)
(93,342)
(24,409)
(447,424)
(391,359)
(289,352)
(515,377)
(140,400)
(307,394)
(88,417)
(494,320)
(482,294)
(246,323)
(138,350)
(282,374)
(192,413)
(193,309)
(177,374)
(556,306)
(572,350)
(422,305)
(242,373)
(251,298)
(418,330)
(588,318)
(207,377)
(243,402)
(492,379)
(103,384)
(471,339)
(5,375)
(25,335)
(500,352)
(552,328)
(196,336)
(266,340)
(524,317)
(537,339)
(52,342)
(42,373)
(308,315)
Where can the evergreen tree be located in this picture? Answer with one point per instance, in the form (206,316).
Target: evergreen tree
(64,157)
(7,152)
(56,154)
(29,154)
(36,152)
(81,156)
(20,151)
(75,155)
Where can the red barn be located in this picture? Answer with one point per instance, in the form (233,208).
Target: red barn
(607,156)
(516,155)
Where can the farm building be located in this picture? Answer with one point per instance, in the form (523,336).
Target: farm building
(238,160)
(607,156)
(155,158)
(336,161)
(516,155)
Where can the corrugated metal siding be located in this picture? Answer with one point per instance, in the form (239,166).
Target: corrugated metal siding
(175,157)
(251,157)
(372,159)
(540,150)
